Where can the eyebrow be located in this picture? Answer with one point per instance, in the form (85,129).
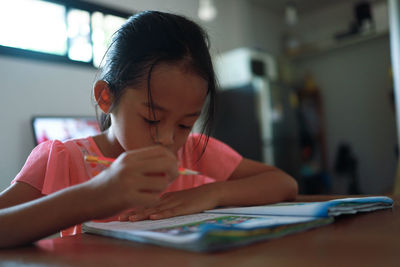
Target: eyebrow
(160,108)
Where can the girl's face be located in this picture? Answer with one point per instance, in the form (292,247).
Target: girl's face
(178,96)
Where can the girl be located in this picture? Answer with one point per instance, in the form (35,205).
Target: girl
(156,82)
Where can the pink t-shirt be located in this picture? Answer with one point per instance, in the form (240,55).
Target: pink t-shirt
(54,165)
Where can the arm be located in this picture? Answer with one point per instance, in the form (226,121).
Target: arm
(26,222)
(133,179)
(18,193)
(254,183)
(251,183)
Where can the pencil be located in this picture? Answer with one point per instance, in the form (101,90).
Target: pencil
(108,161)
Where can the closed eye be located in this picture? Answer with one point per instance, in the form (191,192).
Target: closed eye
(185,126)
(151,122)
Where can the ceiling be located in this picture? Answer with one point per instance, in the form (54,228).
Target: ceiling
(303,6)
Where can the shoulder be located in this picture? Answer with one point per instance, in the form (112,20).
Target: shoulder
(210,156)
(43,150)
(39,162)
(53,165)
(207,144)
(198,139)
(46,154)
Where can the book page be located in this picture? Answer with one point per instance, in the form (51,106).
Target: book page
(153,224)
(312,209)
(188,224)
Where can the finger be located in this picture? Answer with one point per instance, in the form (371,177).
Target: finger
(138,217)
(159,164)
(156,167)
(124,216)
(169,213)
(151,166)
(165,165)
(148,153)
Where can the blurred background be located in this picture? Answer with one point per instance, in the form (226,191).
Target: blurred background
(304,85)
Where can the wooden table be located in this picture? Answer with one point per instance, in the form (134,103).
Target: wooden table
(370,239)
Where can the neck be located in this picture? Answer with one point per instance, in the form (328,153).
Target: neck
(108,144)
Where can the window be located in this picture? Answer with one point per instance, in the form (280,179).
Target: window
(103,27)
(80,45)
(66,31)
(26,24)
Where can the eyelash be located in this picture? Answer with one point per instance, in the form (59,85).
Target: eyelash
(185,127)
(152,122)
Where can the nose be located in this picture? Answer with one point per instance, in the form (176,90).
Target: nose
(165,136)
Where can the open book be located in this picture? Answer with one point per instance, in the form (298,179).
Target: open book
(225,228)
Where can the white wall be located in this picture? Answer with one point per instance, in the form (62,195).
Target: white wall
(36,88)
(355,87)
(265,29)
(32,87)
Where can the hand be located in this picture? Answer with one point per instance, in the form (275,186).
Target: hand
(136,178)
(178,203)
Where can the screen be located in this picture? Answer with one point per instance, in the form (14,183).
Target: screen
(63,128)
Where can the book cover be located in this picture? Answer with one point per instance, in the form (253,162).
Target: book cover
(328,208)
(226,228)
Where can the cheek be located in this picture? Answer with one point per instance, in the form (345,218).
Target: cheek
(180,139)
(133,133)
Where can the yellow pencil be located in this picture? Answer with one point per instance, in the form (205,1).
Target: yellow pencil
(108,161)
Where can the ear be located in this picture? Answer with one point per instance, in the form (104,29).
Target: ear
(103,95)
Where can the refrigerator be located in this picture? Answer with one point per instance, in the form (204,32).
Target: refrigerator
(254,113)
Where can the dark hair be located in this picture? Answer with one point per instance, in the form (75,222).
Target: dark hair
(152,37)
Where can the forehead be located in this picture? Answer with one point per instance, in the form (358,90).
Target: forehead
(178,79)
(174,87)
